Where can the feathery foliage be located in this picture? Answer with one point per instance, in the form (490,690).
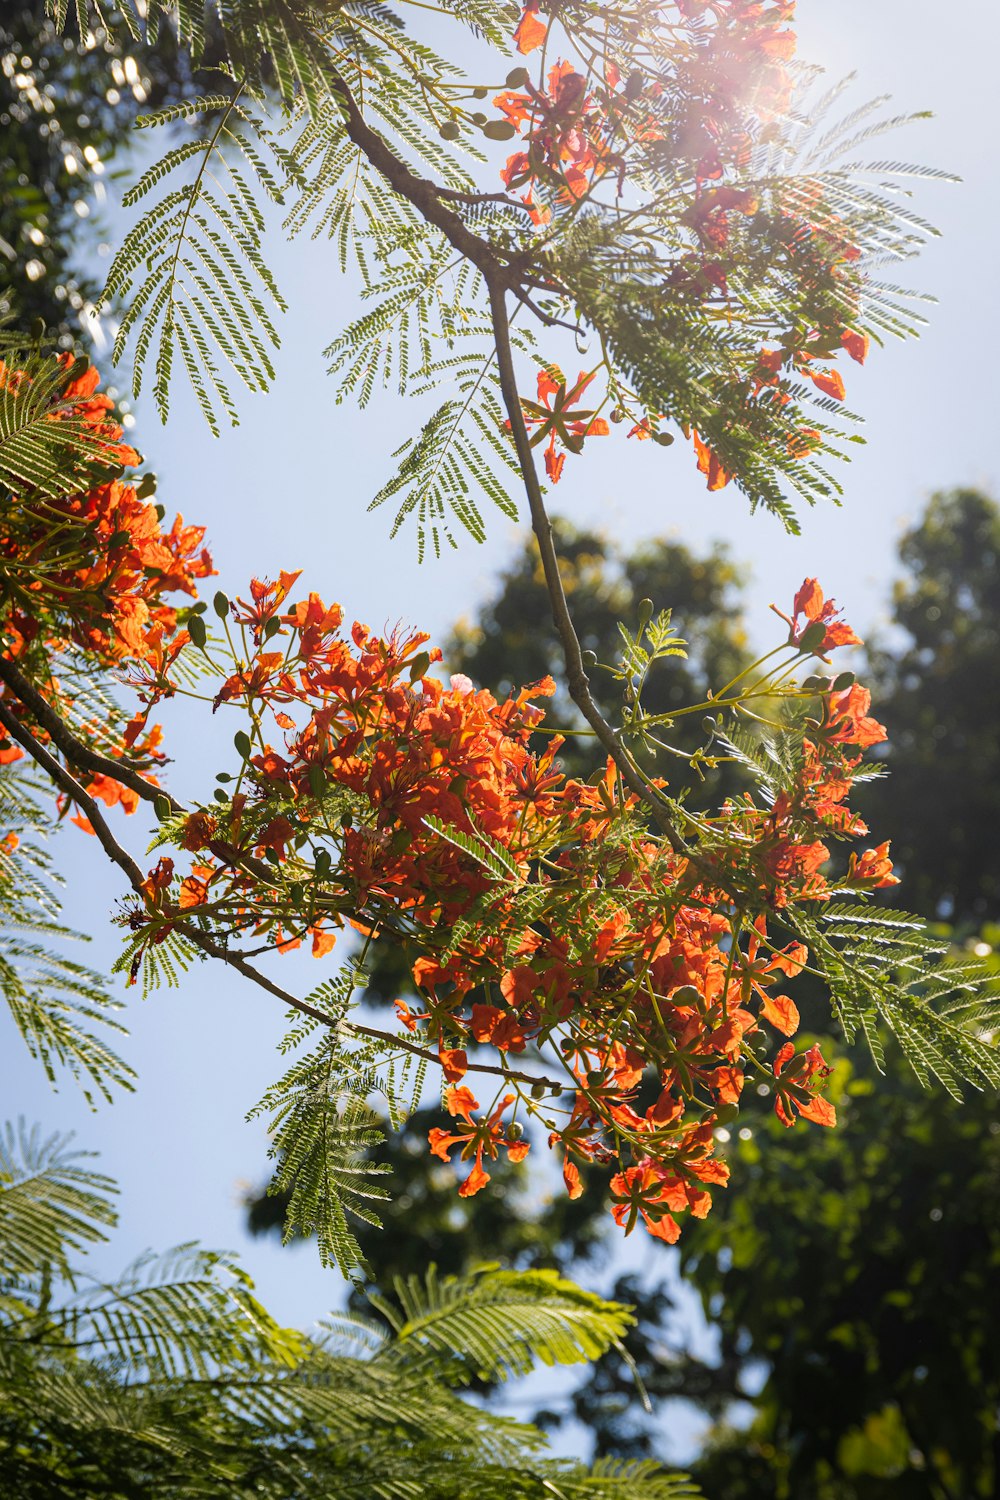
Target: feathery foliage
(173,1380)
(63,1010)
(45,446)
(377,133)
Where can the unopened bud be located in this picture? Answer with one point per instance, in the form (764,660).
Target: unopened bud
(812,638)
(645,612)
(686,995)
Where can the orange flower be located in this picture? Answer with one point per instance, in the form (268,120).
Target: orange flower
(873,870)
(796,1089)
(559,420)
(530,30)
(810,603)
(710,465)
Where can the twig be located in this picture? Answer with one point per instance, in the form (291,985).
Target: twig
(576,676)
(68,784)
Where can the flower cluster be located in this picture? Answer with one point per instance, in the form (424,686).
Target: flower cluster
(98,560)
(544,920)
(89,571)
(729,64)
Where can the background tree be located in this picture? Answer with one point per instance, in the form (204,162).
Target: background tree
(939,693)
(66,114)
(857,1279)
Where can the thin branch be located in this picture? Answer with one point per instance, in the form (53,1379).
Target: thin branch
(72,789)
(576,676)
(456,195)
(119,856)
(86,759)
(74,749)
(500,278)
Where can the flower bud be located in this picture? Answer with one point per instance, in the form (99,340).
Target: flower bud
(812,638)
(686,995)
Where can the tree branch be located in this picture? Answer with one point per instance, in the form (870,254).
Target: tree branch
(119,856)
(501,278)
(86,759)
(576,676)
(72,788)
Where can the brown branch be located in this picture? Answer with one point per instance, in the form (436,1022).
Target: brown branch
(68,784)
(576,676)
(419,191)
(119,856)
(501,278)
(86,759)
(74,749)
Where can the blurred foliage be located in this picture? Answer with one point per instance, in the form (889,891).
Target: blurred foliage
(850,1276)
(66,112)
(939,696)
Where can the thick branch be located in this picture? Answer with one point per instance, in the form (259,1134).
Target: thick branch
(419,191)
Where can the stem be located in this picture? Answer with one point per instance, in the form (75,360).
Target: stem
(68,784)
(576,677)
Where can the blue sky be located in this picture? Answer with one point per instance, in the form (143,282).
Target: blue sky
(290,486)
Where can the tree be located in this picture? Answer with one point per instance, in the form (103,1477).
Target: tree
(65,114)
(856,1276)
(175,1382)
(939,695)
(633,946)
(513,640)
(901,1147)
